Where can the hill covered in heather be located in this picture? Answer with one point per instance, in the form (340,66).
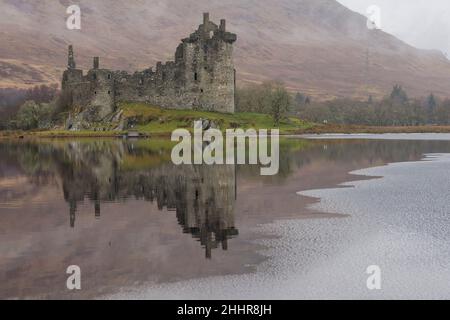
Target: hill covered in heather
(318,47)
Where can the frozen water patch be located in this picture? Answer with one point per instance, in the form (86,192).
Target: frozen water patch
(400,222)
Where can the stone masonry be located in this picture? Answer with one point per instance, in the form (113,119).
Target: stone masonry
(201,77)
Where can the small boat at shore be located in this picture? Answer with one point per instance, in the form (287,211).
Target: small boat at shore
(135,135)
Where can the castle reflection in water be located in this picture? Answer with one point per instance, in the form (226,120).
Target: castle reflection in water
(202,196)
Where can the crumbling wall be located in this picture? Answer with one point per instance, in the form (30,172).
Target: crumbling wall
(202,77)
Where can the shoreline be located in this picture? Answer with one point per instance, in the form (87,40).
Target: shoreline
(246,252)
(264,209)
(274,233)
(356,129)
(263,238)
(318,130)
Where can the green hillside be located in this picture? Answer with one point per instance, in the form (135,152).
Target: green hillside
(154,120)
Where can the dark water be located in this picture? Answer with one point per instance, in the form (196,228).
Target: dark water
(127,216)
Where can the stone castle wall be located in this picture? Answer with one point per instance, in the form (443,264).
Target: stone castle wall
(202,76)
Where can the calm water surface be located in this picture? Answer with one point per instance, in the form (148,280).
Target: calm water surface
(133,221)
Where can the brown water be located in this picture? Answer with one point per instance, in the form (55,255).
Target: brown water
(123,213)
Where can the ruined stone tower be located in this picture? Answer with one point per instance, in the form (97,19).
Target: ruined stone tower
(202,76)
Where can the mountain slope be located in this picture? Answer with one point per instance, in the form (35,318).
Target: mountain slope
(318,47)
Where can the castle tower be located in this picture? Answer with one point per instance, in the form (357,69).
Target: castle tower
(205,18)
(96,62)
(207,59)
(71,59)
(222,27)
(216,68)
(72,75)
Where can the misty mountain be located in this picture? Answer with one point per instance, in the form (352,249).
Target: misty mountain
(318,47)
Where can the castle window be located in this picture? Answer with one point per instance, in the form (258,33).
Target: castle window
(109,76)
(195,76)
(95,92)
(201,90)
(109,92)
(94,76)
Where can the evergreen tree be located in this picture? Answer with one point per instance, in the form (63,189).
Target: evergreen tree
(431,108)
(398,95)
(280,102)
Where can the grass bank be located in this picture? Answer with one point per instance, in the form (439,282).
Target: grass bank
(154,121)
(349,129)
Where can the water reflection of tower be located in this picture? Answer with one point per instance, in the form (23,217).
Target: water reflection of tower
(208,211)
(202,196)
(81,183)
(72,212)
(88,170)
(203,199)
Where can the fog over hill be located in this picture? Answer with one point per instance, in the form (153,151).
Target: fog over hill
(318,47)
(421,23)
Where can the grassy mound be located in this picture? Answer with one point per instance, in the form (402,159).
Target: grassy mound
(154,120)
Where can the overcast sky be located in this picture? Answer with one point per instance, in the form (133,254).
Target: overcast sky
(421,23)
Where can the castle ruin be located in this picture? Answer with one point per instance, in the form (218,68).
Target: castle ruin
(201,77)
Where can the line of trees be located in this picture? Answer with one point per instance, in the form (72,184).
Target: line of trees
(396,109)
(270,98)
(28,108)
(38,106)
